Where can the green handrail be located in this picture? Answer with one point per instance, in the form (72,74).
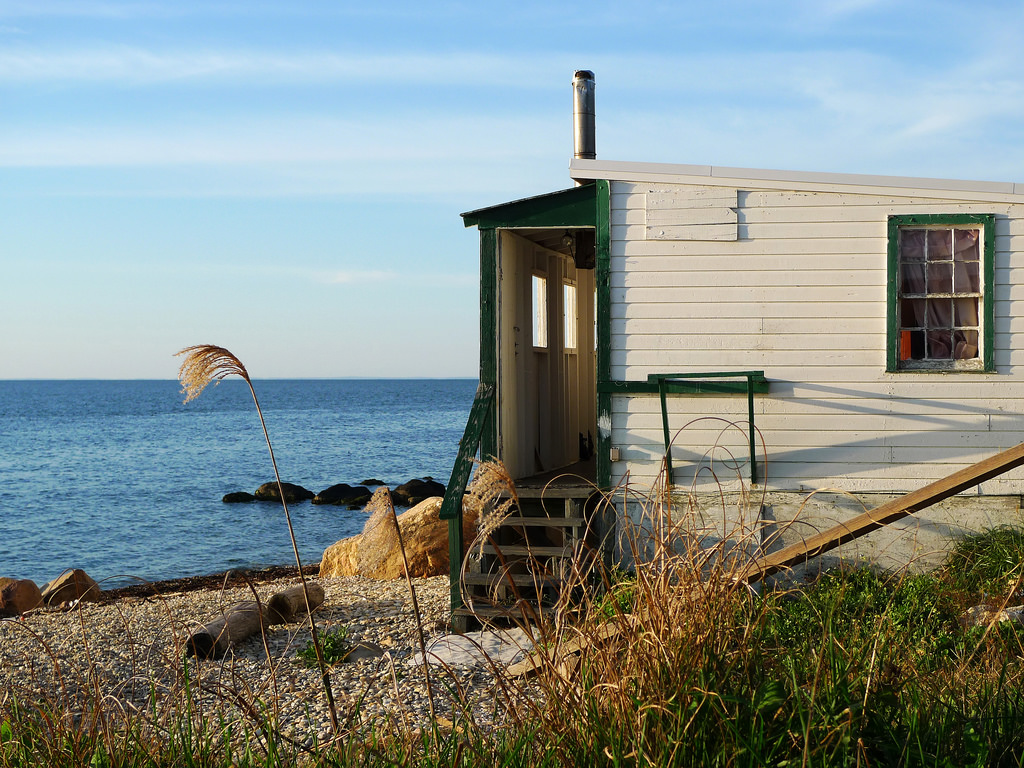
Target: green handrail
(663,380)
(451,506)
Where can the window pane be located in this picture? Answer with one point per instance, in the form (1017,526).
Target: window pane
(965,312)
(965,242)
(940,345)
(540,311)
(940,313)
(916,345)
(940,277)
(569,309)
(912,278)
(940,244)
(912,313)
(967,276)
(912,244)
(965,345)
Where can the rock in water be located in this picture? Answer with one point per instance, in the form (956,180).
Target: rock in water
(19,596)
(343,494)
(71,585)
(238,497)
(426,546)
(415,491)
(292,493)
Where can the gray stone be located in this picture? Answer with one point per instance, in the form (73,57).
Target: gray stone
(238,497)
(363,651)
(343,494)
(292,493)
(415,491)
(477,649)
(980,615)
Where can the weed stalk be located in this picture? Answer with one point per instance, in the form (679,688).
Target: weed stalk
(205,364)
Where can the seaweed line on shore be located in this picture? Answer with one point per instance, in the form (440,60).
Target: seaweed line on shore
(230,578)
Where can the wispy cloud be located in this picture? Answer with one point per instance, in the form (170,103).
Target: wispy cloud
(243,139)
(134,65)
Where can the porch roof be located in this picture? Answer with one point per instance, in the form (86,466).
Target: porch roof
(573,207)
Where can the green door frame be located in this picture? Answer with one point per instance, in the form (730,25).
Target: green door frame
(585,206)
(580,207)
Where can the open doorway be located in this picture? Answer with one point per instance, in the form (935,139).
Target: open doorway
(547,371)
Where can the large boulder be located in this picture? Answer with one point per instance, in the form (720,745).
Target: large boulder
(19,596)
(71,585)
(415,491)
(292,493)
(343,495)
(341,558)
(426,546)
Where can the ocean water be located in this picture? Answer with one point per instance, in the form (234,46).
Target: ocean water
(124,480)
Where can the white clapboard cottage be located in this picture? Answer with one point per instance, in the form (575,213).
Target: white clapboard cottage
(868,326)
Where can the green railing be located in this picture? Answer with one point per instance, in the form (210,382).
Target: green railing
(451,507)
(755,380)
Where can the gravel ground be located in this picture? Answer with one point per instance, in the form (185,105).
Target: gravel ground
(129,650)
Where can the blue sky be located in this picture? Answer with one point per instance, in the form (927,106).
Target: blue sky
(285,178)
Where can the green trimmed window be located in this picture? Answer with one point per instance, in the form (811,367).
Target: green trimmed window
(941,270)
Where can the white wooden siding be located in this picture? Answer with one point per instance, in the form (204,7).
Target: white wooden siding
(801,294)
(691,213)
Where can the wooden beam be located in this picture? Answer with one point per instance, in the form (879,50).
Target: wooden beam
(885,514)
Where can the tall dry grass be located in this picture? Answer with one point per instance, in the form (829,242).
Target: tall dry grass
(678,662)
(206,364)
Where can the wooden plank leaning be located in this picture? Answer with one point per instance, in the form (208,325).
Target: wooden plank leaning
(884,514)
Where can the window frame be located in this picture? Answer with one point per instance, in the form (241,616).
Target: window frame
(540,323)
(986,223)
(570,317)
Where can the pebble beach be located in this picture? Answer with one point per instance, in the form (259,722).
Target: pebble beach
(129,648)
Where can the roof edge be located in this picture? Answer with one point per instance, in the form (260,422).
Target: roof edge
(615,170)
(565,207)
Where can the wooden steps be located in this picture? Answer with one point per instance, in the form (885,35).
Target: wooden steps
(553,522)
(524,550)
(522,567)
(518,579)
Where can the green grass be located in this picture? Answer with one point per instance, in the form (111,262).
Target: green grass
(334,644)
(987,565)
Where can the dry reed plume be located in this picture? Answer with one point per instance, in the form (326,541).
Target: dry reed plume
(205,364)
(493,494)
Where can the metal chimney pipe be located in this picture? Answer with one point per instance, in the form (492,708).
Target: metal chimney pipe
(583,118)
